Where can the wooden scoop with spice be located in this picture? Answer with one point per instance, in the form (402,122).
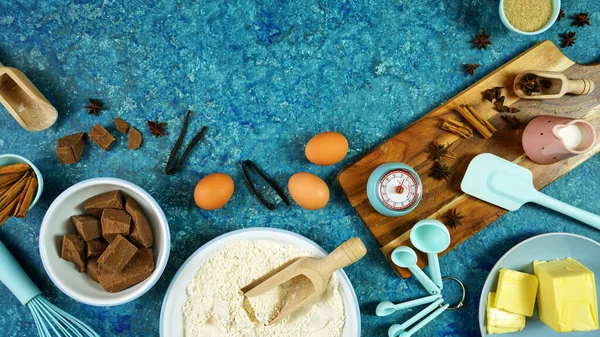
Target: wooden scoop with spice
(24,101)
(550,84)
(308,276)
(18,185)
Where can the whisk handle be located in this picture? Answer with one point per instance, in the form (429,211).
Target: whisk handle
(14,277)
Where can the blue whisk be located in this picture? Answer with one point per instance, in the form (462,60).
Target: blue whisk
(50,320)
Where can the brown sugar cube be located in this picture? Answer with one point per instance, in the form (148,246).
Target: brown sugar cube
(141,232)
(73,250)
(121,125)
(70,148)
(137,270)
(135,139)
(87,226)
(92,269)
(117,254)
(102,137)
(95,247)
(115,222)
(96,204)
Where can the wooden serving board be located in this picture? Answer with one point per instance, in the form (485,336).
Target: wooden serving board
(439,197)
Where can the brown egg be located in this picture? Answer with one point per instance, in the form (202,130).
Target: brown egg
(213,191)
(308,190)
(326,148)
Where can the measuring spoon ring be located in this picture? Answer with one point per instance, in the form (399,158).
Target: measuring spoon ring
(396,329)
(405,257)
(424,322)
(431,237)
(386,308)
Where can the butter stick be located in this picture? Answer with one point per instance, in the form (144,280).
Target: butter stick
(13,192)
(14,168)
(28,193)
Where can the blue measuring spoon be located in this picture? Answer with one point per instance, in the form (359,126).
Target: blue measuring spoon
(431,237)
(396,329)
(423,322)
(386,308)
(405,257)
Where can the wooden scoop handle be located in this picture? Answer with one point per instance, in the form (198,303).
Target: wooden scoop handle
(345,254)
(582,86)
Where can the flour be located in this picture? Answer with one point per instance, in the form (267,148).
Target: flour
(215,306)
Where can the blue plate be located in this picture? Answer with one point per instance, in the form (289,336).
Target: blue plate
(542,247)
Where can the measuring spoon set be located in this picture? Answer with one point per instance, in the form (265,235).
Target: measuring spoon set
(431,237)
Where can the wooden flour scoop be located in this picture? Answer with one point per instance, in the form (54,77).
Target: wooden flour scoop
(24,101)
(309,276)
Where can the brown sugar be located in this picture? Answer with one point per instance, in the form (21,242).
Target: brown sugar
(528,15)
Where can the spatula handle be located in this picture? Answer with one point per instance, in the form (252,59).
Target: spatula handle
(345,254)
(566,209)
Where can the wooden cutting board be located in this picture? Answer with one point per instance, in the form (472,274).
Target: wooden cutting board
(439,197)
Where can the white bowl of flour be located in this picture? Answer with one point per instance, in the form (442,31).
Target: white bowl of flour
(204,299)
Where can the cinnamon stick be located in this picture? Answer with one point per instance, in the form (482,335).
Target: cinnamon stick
(458,128)
(487,124)
(476,121)
(7,179)
(7,211)
(13,192)
(21,196)
(14,168)
(28,193)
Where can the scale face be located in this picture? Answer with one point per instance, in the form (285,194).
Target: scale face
(394,189)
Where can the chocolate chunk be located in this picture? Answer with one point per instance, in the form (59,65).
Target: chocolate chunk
(117,254)
(141,232)
(137,270)
(95,205)
(73,250)
(121,125)
(92,269)
(87,226)
(102,137)
(70,148)
(95,247)
(115,222)
(135,139)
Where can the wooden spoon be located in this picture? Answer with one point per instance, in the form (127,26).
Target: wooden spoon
(309,276)
(559,85)
(24,101)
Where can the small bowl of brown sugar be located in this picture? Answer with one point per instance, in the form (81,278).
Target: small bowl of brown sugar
(529,17)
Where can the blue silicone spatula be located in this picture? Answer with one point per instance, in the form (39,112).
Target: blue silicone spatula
(508,185)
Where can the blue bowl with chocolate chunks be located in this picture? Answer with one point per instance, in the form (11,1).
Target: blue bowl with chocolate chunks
(104,241)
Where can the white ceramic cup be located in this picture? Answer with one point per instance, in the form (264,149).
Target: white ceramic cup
(57,222)
(555,11)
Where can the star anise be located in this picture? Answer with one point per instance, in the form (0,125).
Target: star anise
(568,39)
(581,19)
(512,122)
(482,41)
(94,107)
(440,171)
(438,151)
(471,67)
(453,219)
(156,128)
(561,14)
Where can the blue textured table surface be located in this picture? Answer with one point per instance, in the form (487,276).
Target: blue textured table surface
(264,76)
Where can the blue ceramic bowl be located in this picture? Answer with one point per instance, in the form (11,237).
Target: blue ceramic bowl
(8,159)
(542,247)
(555,11)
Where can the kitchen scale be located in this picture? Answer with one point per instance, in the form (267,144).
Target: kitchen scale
(394,189)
